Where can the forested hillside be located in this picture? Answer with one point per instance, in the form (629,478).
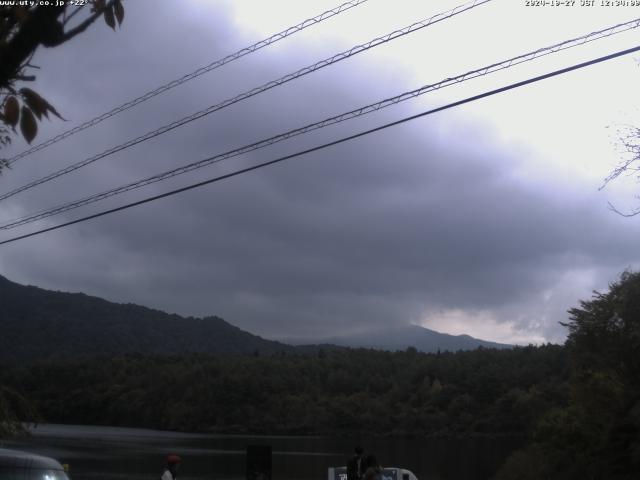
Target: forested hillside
(42,324)
(596,435)
(333,392)
(578,405)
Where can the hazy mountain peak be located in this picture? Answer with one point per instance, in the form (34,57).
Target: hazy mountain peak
(45,324)
(403,336)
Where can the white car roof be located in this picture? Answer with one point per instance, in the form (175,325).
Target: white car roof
(18,459)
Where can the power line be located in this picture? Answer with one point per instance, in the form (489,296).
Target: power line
(190,76)
(335,142)
(255,91)
(324,123)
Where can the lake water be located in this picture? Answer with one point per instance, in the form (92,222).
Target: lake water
(127,453)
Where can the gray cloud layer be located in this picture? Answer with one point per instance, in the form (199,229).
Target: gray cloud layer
(383,229)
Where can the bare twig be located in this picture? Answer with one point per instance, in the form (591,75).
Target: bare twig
(633,213)
(630,141)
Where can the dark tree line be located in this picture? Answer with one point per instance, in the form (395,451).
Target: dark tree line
(39,324)
(597,434)
(332,392)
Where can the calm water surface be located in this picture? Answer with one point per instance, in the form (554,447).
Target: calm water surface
(127,453)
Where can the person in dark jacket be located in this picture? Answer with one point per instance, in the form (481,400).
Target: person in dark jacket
(355,465)
(172,467)
(373,470)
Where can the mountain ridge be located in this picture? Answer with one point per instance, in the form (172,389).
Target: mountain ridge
(40,324)
(401,337)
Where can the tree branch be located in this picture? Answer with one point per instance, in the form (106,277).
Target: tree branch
(38,28)
(71,15)
(85,24)
(633,213)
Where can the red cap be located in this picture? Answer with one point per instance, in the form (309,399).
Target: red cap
(173,459)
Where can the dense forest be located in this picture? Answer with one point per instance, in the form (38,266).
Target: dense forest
(596,435)
(333,392)
(575,407)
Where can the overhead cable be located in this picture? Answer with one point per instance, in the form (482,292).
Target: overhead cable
(190,76)
(329,144)
(324,123)
(255,91)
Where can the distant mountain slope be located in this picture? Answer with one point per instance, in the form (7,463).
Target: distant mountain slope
(38,324)
(404,336)
(43,324)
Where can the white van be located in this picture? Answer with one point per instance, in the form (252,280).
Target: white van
(16,465)
(390,473)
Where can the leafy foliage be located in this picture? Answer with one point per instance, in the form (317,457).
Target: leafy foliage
(597,435)
(14,408)
(82,359)
(24,28)
(348,391)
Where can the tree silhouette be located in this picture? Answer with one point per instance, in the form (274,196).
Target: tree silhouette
(23,29)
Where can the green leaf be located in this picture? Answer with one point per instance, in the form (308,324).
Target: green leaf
(11,111)
(28,124)
(34,101)
(109,18)
(37,104)
(119,11)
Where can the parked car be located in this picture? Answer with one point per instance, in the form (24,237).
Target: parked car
(16,465)
(390,473)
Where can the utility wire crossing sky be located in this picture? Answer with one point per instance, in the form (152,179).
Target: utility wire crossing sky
(276,37)
(330,144)
(254,91)
(616,29)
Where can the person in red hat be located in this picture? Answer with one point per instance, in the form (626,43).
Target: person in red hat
(171,470)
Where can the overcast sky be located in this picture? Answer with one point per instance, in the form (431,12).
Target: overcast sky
(485,219)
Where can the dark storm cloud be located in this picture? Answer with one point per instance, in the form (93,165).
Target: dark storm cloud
(375,231)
